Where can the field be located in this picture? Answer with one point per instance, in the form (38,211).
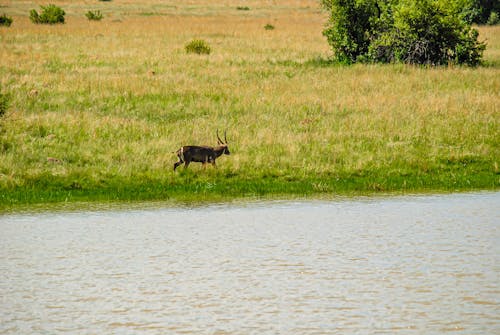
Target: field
(97,108)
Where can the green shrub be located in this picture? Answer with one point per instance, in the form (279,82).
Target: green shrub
(198,47)
(269,27)
(5,20)
(349,28)
(493,19)
(50,14)
(432,32)
(4,103)
(94,15)
(483,10)
(243,8)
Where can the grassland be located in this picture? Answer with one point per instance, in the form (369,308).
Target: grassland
(97,108)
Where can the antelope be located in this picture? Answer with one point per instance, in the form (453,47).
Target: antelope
(202,154)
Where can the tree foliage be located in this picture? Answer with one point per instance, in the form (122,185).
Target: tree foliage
(433,32)
(350,27)
(484,10)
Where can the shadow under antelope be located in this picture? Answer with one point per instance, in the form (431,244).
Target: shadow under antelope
(202,154)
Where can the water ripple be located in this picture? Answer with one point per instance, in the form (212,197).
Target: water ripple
(419,265)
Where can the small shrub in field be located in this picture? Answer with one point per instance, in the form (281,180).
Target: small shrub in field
(50,14)
(4,103)
(5,20)
(198,47)
(94,15)
(269,27)
(243,8)
(493,19)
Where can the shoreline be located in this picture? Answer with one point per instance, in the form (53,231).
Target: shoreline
(188,189)
(172,204)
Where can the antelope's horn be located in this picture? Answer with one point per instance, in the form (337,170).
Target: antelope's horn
(218,138)
(225,139)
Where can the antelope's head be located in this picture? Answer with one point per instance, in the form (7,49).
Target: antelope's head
(223,144)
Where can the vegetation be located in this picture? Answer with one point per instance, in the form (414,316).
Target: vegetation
(243,8)
(50,14)
(89,121)
(410,31)
(269,27)
(198,47)
(493,19)
(5,20)
(481,11)
(4,104)
(94,15)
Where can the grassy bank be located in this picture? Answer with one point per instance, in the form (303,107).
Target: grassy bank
(97,108)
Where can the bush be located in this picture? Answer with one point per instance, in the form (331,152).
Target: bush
(50,14)
(5,20)
(411,31)
(269,27)
(94,15)
(423,32)
(198,47)
(493,19)
(349,28)
(484,10)
(243,8)
(4,103)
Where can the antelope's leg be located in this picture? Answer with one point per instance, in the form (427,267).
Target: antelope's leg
(179,155)
(176,164)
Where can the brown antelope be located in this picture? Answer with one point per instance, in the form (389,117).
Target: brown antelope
(202,154)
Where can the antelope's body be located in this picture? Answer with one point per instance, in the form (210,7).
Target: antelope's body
(201,154)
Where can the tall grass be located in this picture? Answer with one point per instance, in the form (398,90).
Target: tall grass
(97,110)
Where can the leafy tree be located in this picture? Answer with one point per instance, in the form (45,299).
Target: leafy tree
(433,32)
(350,27)
(494,19)
(484,10)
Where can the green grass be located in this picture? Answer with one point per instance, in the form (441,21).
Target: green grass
(96,110)
(189,186)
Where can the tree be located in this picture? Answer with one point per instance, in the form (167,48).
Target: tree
(483,10)
(433,32)
(350,27)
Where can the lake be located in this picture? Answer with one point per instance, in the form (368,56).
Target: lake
(382,265)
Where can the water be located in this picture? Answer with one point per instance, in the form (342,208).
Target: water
(405,265)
